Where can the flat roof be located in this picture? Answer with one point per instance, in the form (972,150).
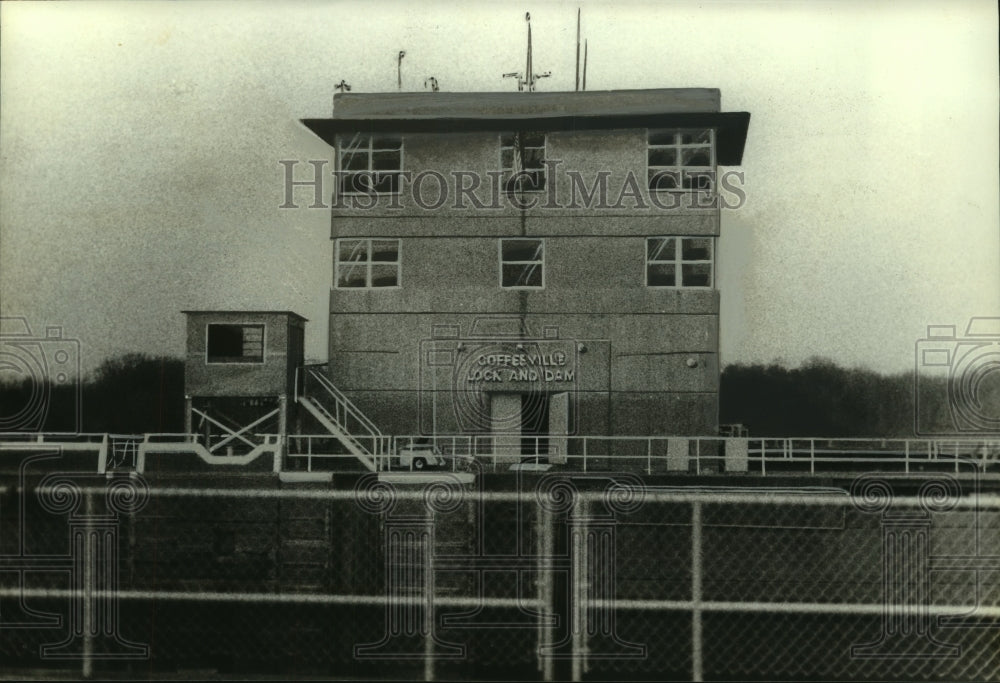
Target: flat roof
(430,112)
(247,312)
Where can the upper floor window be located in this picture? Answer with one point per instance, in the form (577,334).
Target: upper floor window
(522,263)
(683,159)
(227,343)
(370,164)
(679,262)
(522,160)
(366,263)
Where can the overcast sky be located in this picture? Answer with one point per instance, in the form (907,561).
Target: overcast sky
(140,145)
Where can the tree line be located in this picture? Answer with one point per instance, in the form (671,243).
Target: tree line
(138,393)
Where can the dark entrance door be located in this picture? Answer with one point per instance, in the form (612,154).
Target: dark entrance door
(535,424)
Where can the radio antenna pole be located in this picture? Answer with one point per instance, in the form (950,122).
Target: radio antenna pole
(578,49)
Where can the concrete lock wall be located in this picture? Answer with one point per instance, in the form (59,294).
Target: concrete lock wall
(645,360)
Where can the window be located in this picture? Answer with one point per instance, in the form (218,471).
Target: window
(680,159)
(235,343)
(522,160)
(370,164)
(522,263)
(679,262)
(364,264)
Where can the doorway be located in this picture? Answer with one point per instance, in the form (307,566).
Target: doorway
(530,424)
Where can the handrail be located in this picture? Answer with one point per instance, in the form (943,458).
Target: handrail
(354,411)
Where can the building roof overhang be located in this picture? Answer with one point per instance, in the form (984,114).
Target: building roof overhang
(596,110)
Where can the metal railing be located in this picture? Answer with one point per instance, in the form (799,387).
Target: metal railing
(649,454)
(312,384)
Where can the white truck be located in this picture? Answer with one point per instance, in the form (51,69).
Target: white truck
(419,456)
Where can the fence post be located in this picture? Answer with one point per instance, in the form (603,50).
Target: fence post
(696,644)
(763,458)
(584,454)
(546,593)
(812,456)
(906,455)
(578,618)
(89,622)
(429,585)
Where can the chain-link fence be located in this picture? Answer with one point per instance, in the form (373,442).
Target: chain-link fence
(535,575)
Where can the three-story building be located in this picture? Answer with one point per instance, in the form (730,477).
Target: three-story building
(529,266)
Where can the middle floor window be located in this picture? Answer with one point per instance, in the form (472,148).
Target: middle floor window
(367,263)
(679,262)
(522,263)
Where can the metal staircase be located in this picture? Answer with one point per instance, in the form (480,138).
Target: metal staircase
(359,435)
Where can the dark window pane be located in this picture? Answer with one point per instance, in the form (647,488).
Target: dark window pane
(352,275)
(522,275)
(507,158)
(385,161)
(353,250)
(386,183)
(235,343)
(662,157)
(693,137)
(696,156)
(657,137)
(660,275)
(225,341)
(533,158)
(696,249)
(660,249)
(534,140)
(507,140)
(385,250)
(522,250)
(385,276)
(356,161)
(696,275)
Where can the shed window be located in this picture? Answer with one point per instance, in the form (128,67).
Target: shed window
(680,262)
(370,164)
(522,160)
(680,159)
(522,263)
(366,264)
(235,343)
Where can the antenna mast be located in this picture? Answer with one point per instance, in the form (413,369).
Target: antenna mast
(578,49)
(526,80)
(527,68)
(399,69)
